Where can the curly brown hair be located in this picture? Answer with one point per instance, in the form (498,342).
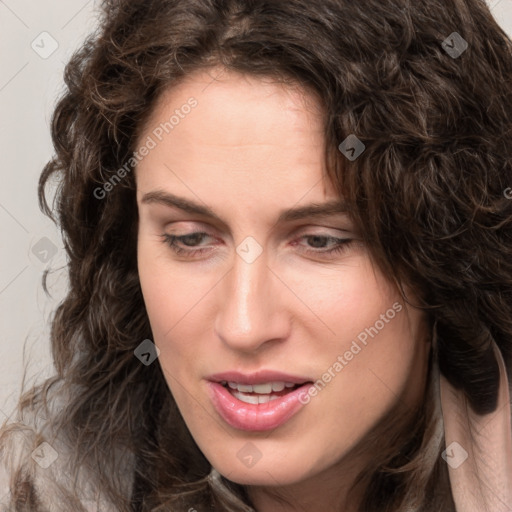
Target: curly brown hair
(427,193)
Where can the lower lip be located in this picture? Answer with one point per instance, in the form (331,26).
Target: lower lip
(255,417)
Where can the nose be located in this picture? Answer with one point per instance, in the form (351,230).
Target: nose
(252,312)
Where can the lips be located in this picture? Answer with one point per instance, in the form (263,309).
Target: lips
(259,401)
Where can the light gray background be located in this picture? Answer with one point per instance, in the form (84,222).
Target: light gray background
(30,83)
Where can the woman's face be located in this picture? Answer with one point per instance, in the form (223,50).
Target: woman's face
(265,289)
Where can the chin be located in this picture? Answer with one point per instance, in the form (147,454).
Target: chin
(262,475)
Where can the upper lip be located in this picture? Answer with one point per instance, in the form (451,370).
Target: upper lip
(259,377)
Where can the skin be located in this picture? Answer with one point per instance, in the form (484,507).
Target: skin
(250,149)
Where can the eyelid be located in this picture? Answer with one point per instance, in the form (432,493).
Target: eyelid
(193,227)
(325,231)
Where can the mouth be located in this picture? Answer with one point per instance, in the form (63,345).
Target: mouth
(257,402)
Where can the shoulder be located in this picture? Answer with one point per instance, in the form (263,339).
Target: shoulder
(35,470)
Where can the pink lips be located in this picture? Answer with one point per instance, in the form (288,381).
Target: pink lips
(256,417)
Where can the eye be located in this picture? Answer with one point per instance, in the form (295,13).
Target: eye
(188,240)
(324,244)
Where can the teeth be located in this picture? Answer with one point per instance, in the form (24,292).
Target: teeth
(263,389)
(253,399)
(248,399)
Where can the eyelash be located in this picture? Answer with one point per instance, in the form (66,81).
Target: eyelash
(342,244)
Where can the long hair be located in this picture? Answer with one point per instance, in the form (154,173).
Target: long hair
(434,112)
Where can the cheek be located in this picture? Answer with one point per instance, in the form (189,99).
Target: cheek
(372,353)
(159,290)
(166,289)
(388,367)
(342,301)
(175,296)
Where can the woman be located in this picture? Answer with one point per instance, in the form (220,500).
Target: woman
(289,261)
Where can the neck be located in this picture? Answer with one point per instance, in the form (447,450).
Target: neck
(325,492)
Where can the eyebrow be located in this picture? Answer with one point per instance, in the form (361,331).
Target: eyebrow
(315,210)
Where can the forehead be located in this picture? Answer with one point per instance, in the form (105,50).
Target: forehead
(245,105)
(242,130)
